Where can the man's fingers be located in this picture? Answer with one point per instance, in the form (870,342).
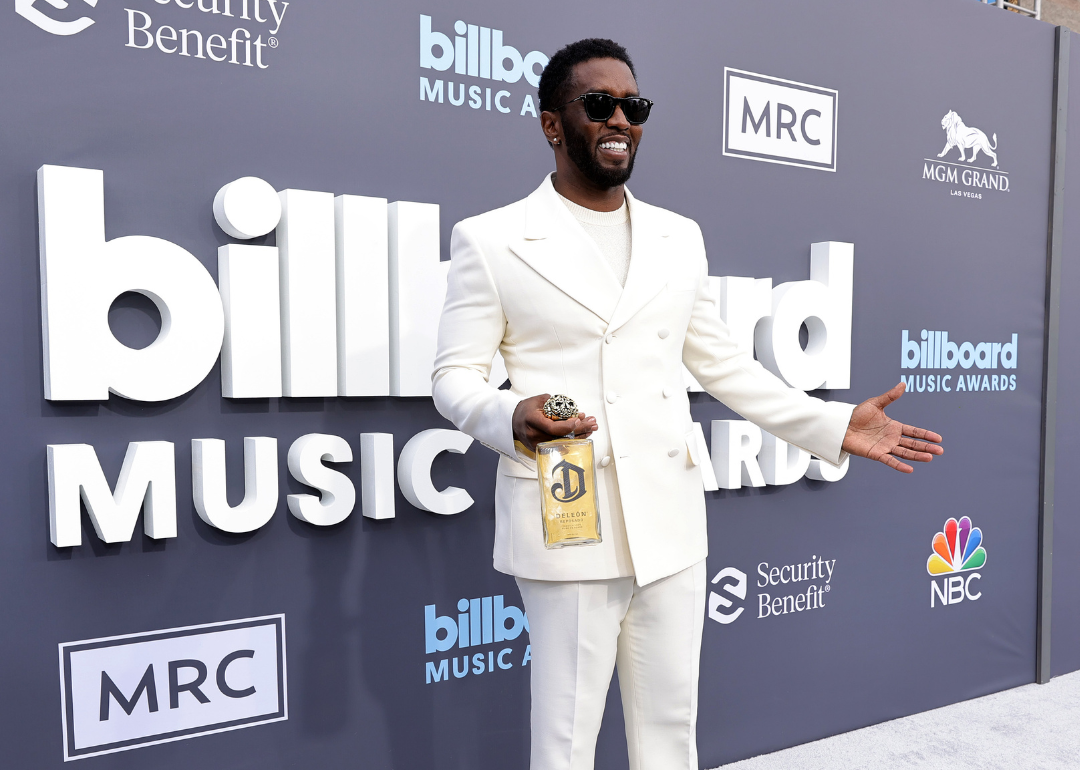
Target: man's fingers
(889,396)
(920,446)
(548,429)
(909,454)
(921,433)
(895,464)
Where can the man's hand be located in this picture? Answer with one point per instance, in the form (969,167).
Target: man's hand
(531,426)
(872,435)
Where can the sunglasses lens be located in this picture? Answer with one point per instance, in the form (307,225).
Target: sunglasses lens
(599,106)
(636,110)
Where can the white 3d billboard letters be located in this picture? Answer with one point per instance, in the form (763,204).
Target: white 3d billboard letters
(306,318)
(148,482)
(280,337)
(346,304)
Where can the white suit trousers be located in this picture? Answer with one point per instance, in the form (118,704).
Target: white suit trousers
(579,631)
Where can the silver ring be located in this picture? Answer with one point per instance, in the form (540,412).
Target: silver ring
(560,408)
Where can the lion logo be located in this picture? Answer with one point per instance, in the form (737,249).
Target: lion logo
(964,138)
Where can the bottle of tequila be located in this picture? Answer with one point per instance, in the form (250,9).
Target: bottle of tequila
(568,504)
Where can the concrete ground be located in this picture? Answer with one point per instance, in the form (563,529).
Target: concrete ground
(1035,727)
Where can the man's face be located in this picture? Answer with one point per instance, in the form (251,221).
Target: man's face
(603,152)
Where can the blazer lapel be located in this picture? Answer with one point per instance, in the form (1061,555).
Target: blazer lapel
(648,268)
(557,247)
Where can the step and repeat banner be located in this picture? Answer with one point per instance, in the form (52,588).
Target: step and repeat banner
(238,534)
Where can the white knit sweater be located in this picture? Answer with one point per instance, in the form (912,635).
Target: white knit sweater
(611,232)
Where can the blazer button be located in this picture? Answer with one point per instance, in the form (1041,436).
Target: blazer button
(608,339)
(663,333)
(606,461)
(612,397)
(668,391)
(673,453)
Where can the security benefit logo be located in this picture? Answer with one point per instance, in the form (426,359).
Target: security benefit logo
(53,22)
(957,552)
(478,639)
(949,366)
(125,692)
(968,162)
(238,32)
(476,67)
(785,590)
(779,121)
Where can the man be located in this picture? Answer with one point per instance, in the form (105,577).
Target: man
(587,291)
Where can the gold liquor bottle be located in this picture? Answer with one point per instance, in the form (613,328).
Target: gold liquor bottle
(568,492)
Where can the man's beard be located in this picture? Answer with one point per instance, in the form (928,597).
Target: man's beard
(584,157)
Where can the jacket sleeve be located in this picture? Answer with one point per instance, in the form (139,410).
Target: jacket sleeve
(470,332)
(733,377)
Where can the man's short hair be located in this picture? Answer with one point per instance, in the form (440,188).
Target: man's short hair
(558,75)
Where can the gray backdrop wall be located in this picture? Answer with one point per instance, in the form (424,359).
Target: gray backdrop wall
(337,109)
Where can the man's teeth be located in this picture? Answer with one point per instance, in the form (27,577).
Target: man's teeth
(613,146)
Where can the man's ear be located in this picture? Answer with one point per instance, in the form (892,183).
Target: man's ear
(551,123)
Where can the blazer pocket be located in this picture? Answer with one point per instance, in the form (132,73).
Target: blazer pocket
(508,467)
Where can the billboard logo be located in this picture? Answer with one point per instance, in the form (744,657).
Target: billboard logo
(934,350)
(964,174)
(956,548)
(779,121)
(28,10)
(476,52)
(487,620)
(125,692)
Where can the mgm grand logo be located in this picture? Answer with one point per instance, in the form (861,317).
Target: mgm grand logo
(964,170)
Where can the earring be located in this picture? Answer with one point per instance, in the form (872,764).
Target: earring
(555,140)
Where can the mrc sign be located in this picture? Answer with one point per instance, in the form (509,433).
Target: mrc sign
(345,304)
(125,692)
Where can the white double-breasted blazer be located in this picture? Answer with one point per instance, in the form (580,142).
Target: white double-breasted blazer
(527,281)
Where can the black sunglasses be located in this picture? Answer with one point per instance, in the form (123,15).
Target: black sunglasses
(600,107)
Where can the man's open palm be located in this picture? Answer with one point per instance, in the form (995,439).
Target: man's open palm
(873,435)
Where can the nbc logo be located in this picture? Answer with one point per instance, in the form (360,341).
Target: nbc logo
(957,548)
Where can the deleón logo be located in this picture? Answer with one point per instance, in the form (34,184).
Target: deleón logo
(125,692)
(571,485)
(28,10)
(969,142)
(779,121)
(956,548)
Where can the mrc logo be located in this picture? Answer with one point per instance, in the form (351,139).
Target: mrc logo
(125,692)
(29,10)
(779,121)
(957,548)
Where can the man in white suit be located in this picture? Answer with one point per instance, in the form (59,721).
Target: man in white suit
(589,292)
